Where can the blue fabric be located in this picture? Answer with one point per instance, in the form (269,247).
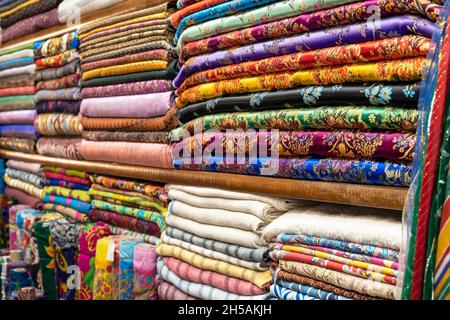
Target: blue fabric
(65,184)
(2,174)
(19,131)
(287,294)
(309,291)
(21,214)
(23,60)
(126,269)
(80,206)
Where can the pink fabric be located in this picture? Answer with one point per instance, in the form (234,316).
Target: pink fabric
(136,106)
(24,198)
(144,269)
(18,117)
(18,91)
(34,168)
(166,291)
(141,154)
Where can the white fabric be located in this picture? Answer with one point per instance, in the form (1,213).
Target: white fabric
(29,69)
(217,217)
(27,53)
(224,234)
(69,8)
(355,224)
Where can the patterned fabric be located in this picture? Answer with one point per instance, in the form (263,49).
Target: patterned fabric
(127,89)
(283,293)
(176,18)
(149,137)
(310,291)
(66,212)
(394,70)
(83,207)
(125,69)
(102,289)
(25,187)
(59,72)
(18,144)
(58,60)
(55,124)
(59,94)
(17,91)
(126,270)
(169,292)
(28,9)
(144,269)
(17,117)
(67,172)
(19,131)
(67,178)
(58,106)
(16,102)
(66,148)
(17,81)
(25,177)
(15,63)
(376,94)
(68,193)
(69,81)
(55,46)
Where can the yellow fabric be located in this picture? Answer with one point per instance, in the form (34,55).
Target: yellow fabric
(17,8)
(68,193)
(103,270)
(392,70)
(125,69)
(157,16)
(25,187)
(258,278)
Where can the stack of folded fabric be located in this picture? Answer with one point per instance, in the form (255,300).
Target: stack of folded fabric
(129,205)
(212,248)
(25,183)
(339,89)
(67,192)
(17,108)
(58,96)
(127,68)
(332,252)
(70,10)
(23,17)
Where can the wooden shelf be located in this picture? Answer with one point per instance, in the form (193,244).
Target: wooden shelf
(351,194)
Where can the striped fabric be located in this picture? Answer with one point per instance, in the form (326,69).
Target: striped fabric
(282,293)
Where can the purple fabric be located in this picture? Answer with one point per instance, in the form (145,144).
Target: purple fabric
(25,132)
(18,117)
(135,106)
(356,33)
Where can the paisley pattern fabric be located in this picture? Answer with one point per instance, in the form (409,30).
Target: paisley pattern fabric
(55,124)
(134,67)
(33,8)
(66,148)
(59,72)
(144,87)
(18,144)
(69,81)
(148,137)
(59,94)
(176,18)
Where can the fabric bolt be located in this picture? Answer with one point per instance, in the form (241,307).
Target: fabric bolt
(82,7)
(17,7)
(68,193)
(212,254)
(387,49)
(23,197)
(169,292)
(310,291)
(58,72)
(67,212)
(66,148)
(69,81)
(25,177)
(125,69)
(391,70)
(58,94)
(144,269)
(176,18)
(283,293)
(29,69)
(229,284)
(148,154)
(34,168)
(136,106)
(375,94)
(59,60)
(34,8)
(17,91)
(46,259)
(342,144)
(66,184)
(18,144)
(102,288)
(126,270)
(21,53)
(149,137)
(24,186)
(55,46)
(58,106)
(9,83)
(55,124)
(15,103)
(15,63)
(19,117)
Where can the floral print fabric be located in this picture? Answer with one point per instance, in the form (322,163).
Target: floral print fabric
(55,46)
(56,124)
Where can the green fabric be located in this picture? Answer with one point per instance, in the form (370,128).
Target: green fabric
(46,259)
(18,48)
(9,99)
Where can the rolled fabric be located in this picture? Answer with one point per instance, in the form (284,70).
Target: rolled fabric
(18,144)
(59,94)
(11,103)
(144,87)
(19,131)
(30,8)
(34,168)
(125,69)
(25,176)
(25,187)
(10,83)
(149,137)
(59,72)
(66,148)
(80,206)
(394,70)
(341,144)
(59,106)
(57,45)
(169,292)
(25,70)
(17,91)
(19,117)
(176,18)
(66,211)
(390,93)
(144,269)
(315,169)
(24,198)
(164,123)
(58,60)
(24,53)
(55,124)
(136,106)
(72,80)
(144,154)
(83,7)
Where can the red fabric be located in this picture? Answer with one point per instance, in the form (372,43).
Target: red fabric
(17,91)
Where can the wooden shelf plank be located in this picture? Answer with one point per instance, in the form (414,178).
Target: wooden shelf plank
(351,194)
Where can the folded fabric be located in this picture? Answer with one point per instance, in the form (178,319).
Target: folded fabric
(24,176)
(59,94)
(34,168)
(59,72)
(243,253)
(24,132)
(18,144)
(307,290)
(66,184)
(66,211)
(55,124)
(58,106)
(343,223)
(127,222)
(28,9)
(21,53)
(376,94)
(67,172)
(346,281)
(176,18)
(240,237)
(72,80)
(58,60)
(17,91)
(393,70)
(80,206)
(23,198)
(68,193)
(82,7)
(360,12)
(319,118)
(283,293)
(342,144)
(169,292)
(125,69)
(132,235)
(17,117)
(11,103)
(149,137)
(406,47)
(57,45)
(259,278)
(25,187)
(144,154)
(136,106)
(166,122)
(66,148)
(29,69)
(145,215)
(15,63)
(13,82)
(145,271)
(67,178)
(212,254)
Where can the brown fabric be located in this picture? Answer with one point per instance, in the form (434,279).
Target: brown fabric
(17,81)
(148,137)
(165,123)
(322,286)
(17,144)
(70,81)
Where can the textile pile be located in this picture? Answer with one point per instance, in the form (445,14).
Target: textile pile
(127,67)
(19,18)
(17,107)
(58,96)
(332,252)
(337,91)
(212,248)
